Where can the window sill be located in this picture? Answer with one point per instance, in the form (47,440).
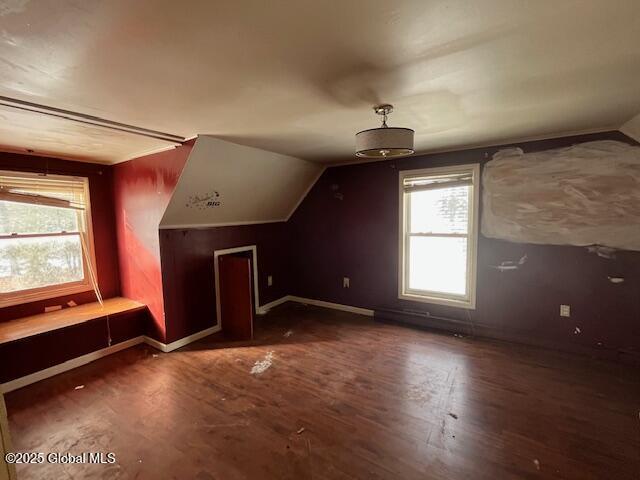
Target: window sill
(46,294)
(466,304)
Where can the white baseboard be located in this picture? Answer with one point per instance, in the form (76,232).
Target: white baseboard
(335,306)
(268,306)
(68,365)
(166,348)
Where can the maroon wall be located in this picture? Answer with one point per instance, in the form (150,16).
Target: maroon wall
(188,274)
(348,226)
(36,353)
(142,191)
(102,215)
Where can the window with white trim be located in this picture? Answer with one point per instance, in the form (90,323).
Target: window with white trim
(46,244)
(438,235)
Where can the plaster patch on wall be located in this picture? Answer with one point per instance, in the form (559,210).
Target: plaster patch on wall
(586,194)
(510,264)
(615,280)
(604,252)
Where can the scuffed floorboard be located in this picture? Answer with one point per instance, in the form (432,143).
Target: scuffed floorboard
(344,397)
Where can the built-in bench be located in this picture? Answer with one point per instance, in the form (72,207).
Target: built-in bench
(45,322)
(39,346)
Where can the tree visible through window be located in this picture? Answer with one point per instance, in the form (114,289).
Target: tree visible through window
(45,247)
(437,251)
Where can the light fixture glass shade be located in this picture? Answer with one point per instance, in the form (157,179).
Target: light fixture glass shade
(384,142)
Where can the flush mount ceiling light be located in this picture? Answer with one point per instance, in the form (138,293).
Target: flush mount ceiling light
(384,142)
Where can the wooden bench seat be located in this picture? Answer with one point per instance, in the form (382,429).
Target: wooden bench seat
(25,327)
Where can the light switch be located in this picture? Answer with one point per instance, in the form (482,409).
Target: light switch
(565,310)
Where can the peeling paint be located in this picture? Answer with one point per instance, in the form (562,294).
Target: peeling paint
(615,280)
(510,264)
(604,252)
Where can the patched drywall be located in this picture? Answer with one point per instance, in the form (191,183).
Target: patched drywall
(228,184)
(586,194)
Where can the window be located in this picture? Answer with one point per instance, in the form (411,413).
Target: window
(438,235)
(46,245)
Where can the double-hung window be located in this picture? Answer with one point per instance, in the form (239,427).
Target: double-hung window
(46,245)
(438,235)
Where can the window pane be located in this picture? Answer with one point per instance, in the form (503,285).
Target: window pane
(438,264)
(39,262)
(26,218)
(442,210)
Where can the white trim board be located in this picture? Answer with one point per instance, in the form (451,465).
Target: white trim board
(317,303)
(68,365)
(334,306)
(268,306)
(166,348)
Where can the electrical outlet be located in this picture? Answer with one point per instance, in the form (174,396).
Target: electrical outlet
(269,280)
(565,310)
(345,282)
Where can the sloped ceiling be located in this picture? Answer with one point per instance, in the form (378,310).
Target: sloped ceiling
(227,184)
(299,78)
(632,128)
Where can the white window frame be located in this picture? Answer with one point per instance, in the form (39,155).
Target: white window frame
(63,289)
(467,301)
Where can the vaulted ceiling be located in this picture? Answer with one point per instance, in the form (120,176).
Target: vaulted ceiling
(300,77)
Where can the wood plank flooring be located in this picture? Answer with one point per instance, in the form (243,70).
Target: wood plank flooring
(336,396)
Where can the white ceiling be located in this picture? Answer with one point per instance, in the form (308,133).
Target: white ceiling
(299,77)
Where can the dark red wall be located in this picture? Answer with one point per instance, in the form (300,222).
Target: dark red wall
(102,214)
(188,272)
(348,226)
(142,190)
(36,353)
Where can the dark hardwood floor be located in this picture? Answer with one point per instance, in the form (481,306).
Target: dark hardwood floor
(339,396)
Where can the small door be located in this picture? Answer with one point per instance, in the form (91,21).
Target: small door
(236,306)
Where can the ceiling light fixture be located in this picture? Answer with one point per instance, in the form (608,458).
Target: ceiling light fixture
(384,142)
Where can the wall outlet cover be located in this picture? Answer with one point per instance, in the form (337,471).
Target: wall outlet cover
(565,310)
(345,282)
